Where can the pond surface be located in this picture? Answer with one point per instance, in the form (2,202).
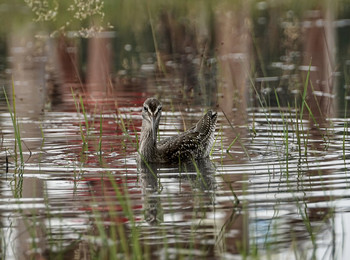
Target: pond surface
(258,196)
(276,184)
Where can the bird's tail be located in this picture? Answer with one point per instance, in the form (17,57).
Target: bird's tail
(207,123)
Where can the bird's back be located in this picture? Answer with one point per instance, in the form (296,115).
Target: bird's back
(195,143)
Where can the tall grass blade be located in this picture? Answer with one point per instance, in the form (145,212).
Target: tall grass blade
(13,115)
(84,137)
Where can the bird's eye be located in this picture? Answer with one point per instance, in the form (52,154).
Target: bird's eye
(145,108)
(159,109)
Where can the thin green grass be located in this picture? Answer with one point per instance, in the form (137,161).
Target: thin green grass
(302,143)
(236,139)
(16,128)
(125,203)
(286,135)
(214,144)
(346,126)
(84,135)
(118,235)
(261,103)
(299,120)
(160,64)
(17,182)
(100,138)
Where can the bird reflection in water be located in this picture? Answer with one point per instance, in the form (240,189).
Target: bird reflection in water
(158,180)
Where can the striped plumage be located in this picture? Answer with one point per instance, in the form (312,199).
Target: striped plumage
(195,143)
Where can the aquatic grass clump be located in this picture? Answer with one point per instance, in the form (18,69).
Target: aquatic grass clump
(123,235)
(125,203)
(15,124)
(115,241)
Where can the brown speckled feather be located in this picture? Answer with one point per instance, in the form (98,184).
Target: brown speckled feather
(195,143)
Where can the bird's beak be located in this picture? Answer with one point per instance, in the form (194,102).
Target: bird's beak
(154,130)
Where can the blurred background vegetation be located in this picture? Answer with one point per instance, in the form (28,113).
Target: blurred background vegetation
(167,30)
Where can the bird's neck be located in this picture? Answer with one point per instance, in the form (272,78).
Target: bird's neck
(148,146)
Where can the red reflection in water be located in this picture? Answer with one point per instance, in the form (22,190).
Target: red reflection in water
(108,194)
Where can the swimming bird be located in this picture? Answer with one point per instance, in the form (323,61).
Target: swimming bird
(195,143)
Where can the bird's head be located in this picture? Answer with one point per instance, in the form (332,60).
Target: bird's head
(151,112)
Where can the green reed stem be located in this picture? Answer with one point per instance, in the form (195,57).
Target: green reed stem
(160,64)
(346,128)
(100,140)
(267,116)
(125,203)
(286,134)
(99,224)
(77,106)
(13,114)
(232,143)
(299,120)
(237,137)
(303,101)
(85,115)
(199,174)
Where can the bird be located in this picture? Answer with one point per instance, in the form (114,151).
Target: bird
(193,144)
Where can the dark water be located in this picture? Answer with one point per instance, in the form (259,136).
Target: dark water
(276,185)
(260,197)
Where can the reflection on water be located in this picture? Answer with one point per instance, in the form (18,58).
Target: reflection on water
(155,180)
(259,197)
(276,184)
